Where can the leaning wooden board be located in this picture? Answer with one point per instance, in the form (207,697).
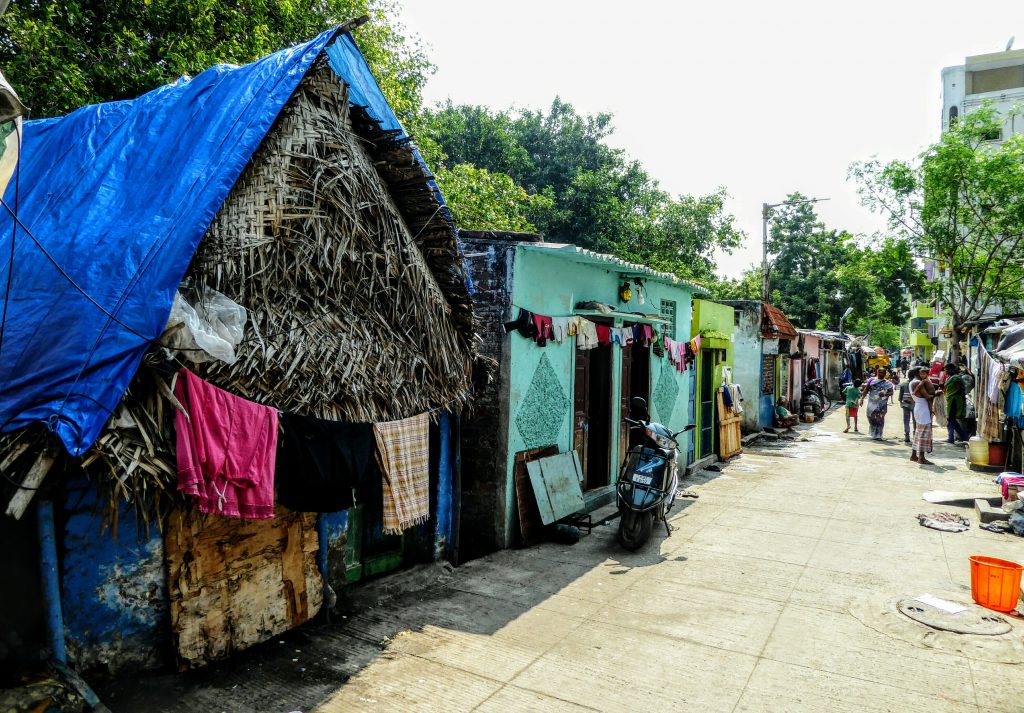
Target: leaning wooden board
(730,440)
(234,583)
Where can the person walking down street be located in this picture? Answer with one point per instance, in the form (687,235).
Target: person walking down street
(851,392)
(895,381)
(924,393)
(907,403)
(878,390)
(956,404)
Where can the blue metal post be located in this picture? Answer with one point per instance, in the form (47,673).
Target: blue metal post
(48,569)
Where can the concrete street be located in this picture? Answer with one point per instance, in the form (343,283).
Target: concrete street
(773,593)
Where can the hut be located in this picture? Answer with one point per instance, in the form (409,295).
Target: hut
(763,340)
(563,397)
(715,324)
(286,188)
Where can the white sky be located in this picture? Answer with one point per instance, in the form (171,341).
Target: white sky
(763,98)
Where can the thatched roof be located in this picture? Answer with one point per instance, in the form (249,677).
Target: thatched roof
(337,243)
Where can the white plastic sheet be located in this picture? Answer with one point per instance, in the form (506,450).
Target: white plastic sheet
(210,329)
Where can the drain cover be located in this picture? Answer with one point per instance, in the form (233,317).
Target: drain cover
(973,621)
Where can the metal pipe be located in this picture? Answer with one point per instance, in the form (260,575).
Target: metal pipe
(50,576)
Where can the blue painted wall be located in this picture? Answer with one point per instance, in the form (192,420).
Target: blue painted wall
(114,590)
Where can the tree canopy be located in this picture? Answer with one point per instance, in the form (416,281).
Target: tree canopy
(818,272)
(595,195)
(959,204)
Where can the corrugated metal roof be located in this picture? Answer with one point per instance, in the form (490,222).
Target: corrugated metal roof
(583,256)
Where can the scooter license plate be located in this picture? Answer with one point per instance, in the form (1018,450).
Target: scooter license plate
(642,479)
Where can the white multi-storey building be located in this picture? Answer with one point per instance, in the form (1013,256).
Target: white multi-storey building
(996,78)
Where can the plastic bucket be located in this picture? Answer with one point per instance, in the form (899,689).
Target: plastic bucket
(995,583)
(977,450)
(996,453)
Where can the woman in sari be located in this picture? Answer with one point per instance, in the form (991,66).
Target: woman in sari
(878,390)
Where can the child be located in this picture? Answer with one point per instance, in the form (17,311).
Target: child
(852,395)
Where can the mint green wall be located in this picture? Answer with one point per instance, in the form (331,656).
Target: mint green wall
(541,378)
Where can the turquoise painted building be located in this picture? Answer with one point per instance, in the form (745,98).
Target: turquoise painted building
(559,398)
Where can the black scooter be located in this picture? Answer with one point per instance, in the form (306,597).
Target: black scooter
(648,480)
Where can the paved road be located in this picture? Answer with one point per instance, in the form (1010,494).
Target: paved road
(772,594)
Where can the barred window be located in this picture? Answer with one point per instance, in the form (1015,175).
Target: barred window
(668,312)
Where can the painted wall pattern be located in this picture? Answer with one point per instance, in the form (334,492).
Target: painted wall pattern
(544,407)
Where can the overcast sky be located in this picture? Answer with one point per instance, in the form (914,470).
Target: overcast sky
(762,98)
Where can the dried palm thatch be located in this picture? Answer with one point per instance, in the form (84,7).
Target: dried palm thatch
(336,243)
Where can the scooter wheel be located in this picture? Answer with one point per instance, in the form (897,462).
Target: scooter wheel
(635,528)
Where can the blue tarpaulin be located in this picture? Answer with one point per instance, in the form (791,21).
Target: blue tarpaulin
(120,195)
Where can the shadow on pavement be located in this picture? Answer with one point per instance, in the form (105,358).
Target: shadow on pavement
(300,669)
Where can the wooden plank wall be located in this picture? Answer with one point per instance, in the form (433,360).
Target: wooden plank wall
(234,583)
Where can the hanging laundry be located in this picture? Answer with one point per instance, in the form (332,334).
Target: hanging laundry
(689,356)
(587,334)
(574,326)
(403,448)
(737,398)
(322,464)
(523,323)
(226,450)
(616,336)
(995,378)
(560,327)
(542,325)
(647,334)
(695,343)
(603,334)
(726,397)
(627,336)
(726,374)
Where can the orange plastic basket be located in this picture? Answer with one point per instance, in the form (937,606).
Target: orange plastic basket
(995,583)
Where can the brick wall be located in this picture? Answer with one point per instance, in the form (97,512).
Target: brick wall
(485,430)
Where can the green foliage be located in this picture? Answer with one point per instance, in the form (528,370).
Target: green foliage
(748,287)
(817,272)
(598,198)
(959,203)
(62,55)
(481,200)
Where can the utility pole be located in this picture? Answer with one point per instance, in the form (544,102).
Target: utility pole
(766,214)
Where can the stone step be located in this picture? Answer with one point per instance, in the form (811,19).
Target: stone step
(987,512)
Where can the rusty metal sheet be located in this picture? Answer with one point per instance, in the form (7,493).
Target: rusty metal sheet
(556,486)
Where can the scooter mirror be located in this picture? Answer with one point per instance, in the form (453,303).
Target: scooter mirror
(638,409)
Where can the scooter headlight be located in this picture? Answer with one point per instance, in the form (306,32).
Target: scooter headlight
(662,441)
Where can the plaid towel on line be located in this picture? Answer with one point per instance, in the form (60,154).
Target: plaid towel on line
(404,454)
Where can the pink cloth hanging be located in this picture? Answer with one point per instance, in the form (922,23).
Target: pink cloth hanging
(227,450)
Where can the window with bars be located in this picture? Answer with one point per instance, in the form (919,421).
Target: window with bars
(668,312)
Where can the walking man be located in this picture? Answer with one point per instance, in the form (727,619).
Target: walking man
(923,391)
(851,392)
(907,403)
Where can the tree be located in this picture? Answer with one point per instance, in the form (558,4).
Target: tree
(748,287)
(599,198)
(819,272)
(62,55)
(481,200)
(959,203)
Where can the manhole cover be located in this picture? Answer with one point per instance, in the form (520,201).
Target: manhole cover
(973,621)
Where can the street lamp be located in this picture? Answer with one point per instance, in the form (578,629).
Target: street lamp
(843,319)
(766,214)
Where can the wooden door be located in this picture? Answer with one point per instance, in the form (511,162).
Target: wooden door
(626,375)
(707,404)
(581,407)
